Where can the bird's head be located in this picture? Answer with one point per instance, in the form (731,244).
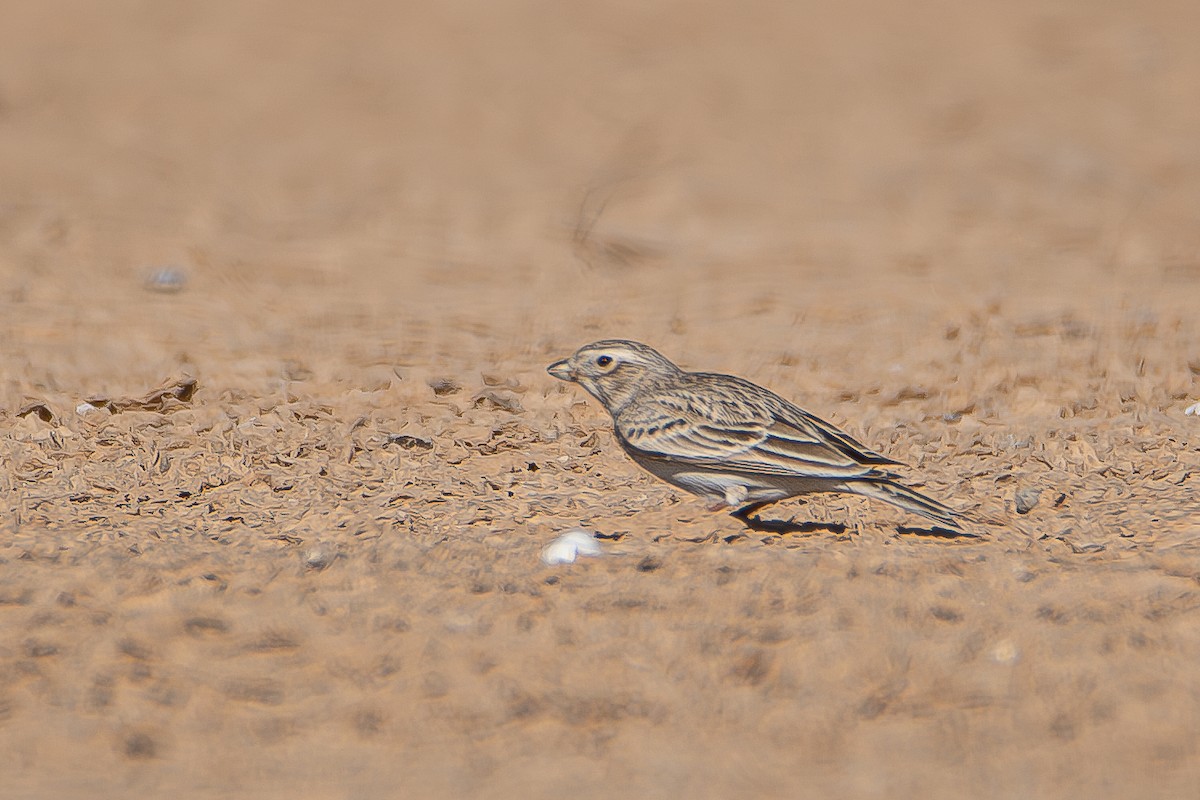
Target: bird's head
(614,370)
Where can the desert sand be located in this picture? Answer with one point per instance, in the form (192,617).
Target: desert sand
(280,282)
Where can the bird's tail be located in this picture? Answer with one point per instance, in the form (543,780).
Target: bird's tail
(901,496)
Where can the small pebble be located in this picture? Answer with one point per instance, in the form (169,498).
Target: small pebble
(444,386)
(649,564)
(166,280)
(319,556)
(410,442)
(566,548)
(503,401)
(1004,652)
(1193,410)
(1026,499)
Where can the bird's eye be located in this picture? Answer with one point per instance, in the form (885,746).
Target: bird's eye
(604,361)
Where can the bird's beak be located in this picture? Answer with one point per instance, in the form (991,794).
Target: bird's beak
(561,370)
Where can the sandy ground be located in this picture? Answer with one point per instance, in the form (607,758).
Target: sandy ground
(968,234)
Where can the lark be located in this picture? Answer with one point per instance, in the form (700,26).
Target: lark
(728,440)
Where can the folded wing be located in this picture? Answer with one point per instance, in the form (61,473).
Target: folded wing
(760,436)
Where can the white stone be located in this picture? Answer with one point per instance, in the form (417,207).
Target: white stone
(572,544)
(1004,652)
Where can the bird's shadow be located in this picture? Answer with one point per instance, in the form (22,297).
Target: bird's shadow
(936,532)
(781,526)
(789,526)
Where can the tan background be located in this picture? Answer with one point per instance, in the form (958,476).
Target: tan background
(966,232)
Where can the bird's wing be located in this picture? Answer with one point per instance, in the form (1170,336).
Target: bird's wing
(724,430)
(837,438)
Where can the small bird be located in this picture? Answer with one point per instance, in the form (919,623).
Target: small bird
(728,440)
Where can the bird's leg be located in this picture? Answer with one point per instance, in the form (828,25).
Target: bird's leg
(735,495)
